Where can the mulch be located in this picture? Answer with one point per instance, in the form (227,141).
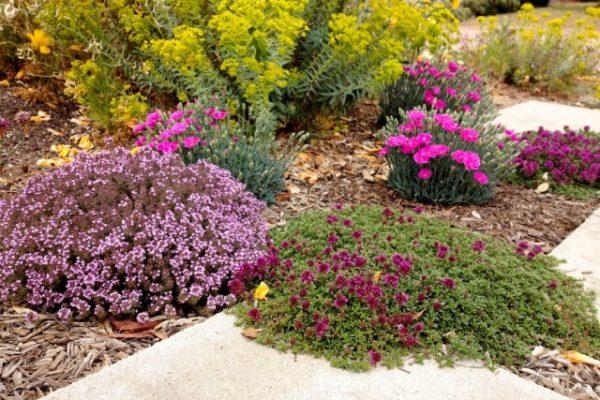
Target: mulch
(339,166)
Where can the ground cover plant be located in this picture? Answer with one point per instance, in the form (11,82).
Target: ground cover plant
(360,286)
(203,130)
(117,234)
(441,86)
(541,50)
(435,158)
(280,59)
(565,160)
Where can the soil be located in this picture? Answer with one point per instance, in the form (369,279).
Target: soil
(339,166)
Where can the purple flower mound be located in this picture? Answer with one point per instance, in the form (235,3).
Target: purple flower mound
(123,235)
(568,156)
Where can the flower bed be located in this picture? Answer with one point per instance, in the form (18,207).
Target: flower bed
(367,285)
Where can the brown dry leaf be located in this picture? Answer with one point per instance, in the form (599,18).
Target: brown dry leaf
(132,326)
(42,116)
(251,333)
(283,197)
(308,176)
(55,132)
(475,214)
(82,121)
(293,189)
(4,83)
(368,175)
(578,358)
(417,315)
(20,74)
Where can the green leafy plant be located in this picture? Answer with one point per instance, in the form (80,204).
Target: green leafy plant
(366,285)
(204,130)
(278,60)
(491,7)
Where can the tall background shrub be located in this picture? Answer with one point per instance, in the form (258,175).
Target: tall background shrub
(278,60)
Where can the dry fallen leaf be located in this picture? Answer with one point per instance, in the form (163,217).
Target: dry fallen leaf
(4,83)
(543,187)
(293,189)
(308,176)
(42,116)
(83,121)
(578,358)
(55,132)
(282,197)
(368,175)
(131,325)
(475,214)
(251,333)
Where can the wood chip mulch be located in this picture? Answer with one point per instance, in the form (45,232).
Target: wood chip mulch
(576,380)
(38,358)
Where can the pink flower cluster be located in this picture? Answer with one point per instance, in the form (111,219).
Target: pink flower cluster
(452,87)
(178,130)
(413,141)
(127,235)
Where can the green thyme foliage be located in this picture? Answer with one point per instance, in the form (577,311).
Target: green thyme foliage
(479,298)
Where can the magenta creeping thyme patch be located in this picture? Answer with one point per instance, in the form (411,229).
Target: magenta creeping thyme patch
(429,290)
(128,236)
(433,157)
(566,156)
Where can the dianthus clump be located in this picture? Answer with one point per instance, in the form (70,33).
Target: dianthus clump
(366,286)
(127,235)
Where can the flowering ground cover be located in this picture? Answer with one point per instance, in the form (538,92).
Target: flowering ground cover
(369,285)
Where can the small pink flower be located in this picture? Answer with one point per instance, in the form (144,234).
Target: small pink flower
(480,178)
(384,151)
(141,141)
(375,357)
(424,173)
(137,129)
(469,134)
(190,142)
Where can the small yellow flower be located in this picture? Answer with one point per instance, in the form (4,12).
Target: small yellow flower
(260,293)
(41,41)
(455,4)
(135,150)
(377,276)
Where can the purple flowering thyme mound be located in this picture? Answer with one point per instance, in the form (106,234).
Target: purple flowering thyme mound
(127,235)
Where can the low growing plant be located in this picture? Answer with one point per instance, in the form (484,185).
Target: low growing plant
(444,87)
(116,234)
(435,158)
(537,50)
(366,285)
(563,157)
(203,130)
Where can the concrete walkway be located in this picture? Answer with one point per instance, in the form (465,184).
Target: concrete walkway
(581,252)
(532,114)
(213,361)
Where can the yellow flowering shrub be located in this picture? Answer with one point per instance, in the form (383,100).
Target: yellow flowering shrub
(538,50)
(278,60)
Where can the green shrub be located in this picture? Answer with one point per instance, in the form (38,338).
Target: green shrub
(281,60)
(535,50)
(366,284)
(491,7)
(449,87)
(203,130)
(441,158)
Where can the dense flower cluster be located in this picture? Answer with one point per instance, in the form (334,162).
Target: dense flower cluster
(433,157)
(367,285)
(444,87)
(567,156)
(121,234)
(202,130)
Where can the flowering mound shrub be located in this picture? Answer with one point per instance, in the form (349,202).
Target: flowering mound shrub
(566,156)
(367,285)
(449,87)
(202,130)
(434,158)
(127,235)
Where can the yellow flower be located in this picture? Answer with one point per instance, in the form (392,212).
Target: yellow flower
(135,150)
(260,293)
(41,41)
(376,276)
(455,4)
(85,143)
